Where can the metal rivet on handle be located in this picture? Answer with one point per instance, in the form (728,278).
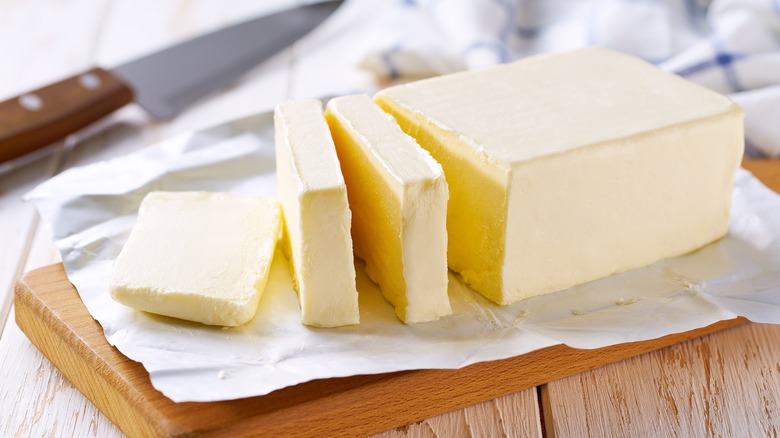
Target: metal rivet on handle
(31,102)
(89,81)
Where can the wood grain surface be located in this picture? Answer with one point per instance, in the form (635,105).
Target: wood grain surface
(32,388)
(724,385)
(514,415)
(727,389)
(60,326)
(49,311)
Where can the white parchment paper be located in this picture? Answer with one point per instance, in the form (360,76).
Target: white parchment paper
(90,211)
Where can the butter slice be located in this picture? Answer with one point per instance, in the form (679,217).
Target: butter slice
(570,167)
(316,215)
(398,195)
(198,256)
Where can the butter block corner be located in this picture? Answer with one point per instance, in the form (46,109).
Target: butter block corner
(566,168)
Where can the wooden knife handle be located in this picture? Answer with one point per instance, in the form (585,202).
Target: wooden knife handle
(38,118)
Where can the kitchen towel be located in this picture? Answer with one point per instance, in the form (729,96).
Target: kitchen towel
(730,46)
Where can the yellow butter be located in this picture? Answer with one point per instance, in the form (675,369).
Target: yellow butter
(569,167)
(198,256)
(398,196)
(317,218)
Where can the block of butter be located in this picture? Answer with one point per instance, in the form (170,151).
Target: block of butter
(317,218)
(569,167)
(398,197)
(198,256)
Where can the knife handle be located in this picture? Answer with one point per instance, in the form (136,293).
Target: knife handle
(35,119)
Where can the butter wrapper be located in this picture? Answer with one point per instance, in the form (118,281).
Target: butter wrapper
(90,211)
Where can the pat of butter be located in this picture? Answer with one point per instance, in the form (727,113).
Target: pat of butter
(398,196)
(317,218)
(198,256)
(570,167)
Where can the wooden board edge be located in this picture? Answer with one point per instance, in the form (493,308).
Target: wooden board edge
(140,413)
(361,403)
(434,392)
(85,370)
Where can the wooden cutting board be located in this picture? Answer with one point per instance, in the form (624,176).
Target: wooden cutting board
(50,313)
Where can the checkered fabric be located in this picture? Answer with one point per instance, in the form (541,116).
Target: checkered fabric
(730,46)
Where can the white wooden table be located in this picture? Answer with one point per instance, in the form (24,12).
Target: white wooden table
(724,384)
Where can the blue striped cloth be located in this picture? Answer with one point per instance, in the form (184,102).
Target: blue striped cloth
(730,46)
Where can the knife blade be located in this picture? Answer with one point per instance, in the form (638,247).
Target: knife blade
(163,83)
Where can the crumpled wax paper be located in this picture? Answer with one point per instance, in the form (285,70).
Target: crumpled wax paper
(90,211)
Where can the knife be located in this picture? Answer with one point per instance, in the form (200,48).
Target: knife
(163,83)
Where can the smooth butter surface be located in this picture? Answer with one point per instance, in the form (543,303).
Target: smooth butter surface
(398,195)
(317,217)
(198,256)
(570,167)
(549,104)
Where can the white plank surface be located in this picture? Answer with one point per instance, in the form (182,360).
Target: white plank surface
(35,399)
(137,27)
(38,45)
(41,44)
(724,384)
(514,415)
